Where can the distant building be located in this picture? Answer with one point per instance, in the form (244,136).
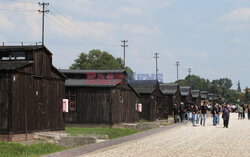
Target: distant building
(100,97)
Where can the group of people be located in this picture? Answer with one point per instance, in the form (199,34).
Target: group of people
(191,112)
(242,111)
(198,113)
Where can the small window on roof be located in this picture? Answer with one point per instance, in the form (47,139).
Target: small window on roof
(13,55)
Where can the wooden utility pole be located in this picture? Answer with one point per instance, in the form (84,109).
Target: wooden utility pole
(43,11)
(124,50)
(177,65)
(156,65)
(189,72)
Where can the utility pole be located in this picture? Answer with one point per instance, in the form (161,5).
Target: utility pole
(124,50)
(189,72)
(43,11)
(156,65)
(177,65)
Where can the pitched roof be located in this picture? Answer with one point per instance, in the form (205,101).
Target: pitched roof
(12,65)
(195,93)
(204,94)
(78,71)
(210,96)
(91,83)
(144,86)
(23,48)
(169,88)
(185,90)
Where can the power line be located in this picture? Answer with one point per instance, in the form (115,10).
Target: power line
(88,35)
(43,11)
(124,50)
(177,65)
(156,65)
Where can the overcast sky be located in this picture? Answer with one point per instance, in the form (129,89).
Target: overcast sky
(211,37)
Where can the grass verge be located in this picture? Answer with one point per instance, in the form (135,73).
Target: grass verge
(111,132)
(9,149)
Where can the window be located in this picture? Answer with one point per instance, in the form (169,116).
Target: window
(72,104)
(13,55)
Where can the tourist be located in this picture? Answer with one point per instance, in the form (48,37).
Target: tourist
(188,112)
(204,111)
(175,113)
(248,110)
(218,117)
(226,115)
(215,114)
(240,110)
(243,111)
(194,114)
(198,113)
(182,112)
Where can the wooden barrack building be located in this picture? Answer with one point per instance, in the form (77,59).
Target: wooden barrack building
(186,94)
(100,97)
(150,93)
(196,97)
(172,96)
(31,92)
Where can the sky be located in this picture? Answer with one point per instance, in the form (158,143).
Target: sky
(210,37)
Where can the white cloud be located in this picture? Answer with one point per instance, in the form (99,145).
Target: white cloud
(237,41)
(238,15)
(131,10)
(6,24)
(141,29)
(202,54)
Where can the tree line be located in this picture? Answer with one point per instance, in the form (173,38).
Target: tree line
(97,59)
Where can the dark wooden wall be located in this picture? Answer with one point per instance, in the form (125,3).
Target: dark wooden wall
(35,97)
(4,101)
(37,103)
(103,105)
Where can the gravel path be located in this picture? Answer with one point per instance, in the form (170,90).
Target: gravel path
(189,141)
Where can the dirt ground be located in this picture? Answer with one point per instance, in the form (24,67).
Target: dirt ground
(187,140)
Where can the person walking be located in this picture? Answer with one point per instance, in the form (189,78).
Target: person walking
(198,113)
(182,112)
(188,112)
(175,113)
(240,112)
(248,111)
(215,114)
(194,114)
(243,111)
(226,115)
(204,110)
(218,117)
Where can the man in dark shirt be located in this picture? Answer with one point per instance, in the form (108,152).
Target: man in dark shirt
(248,110)
(188,112)
(204,110)
(194,111)
(175,113)
(182,112)
(215,114)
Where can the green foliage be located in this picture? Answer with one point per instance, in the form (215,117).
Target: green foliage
(111,132)
(221,86)
(247,95)
(142,121)
(97,59)
(9,149)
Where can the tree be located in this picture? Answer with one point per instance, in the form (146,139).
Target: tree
(97,59)
(247,95)
(238,88)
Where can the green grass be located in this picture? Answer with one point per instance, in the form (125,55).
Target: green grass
(170,117)
(111,132)
(142,121)
(9,149)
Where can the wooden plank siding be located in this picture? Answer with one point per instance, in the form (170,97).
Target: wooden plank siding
(36,94)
